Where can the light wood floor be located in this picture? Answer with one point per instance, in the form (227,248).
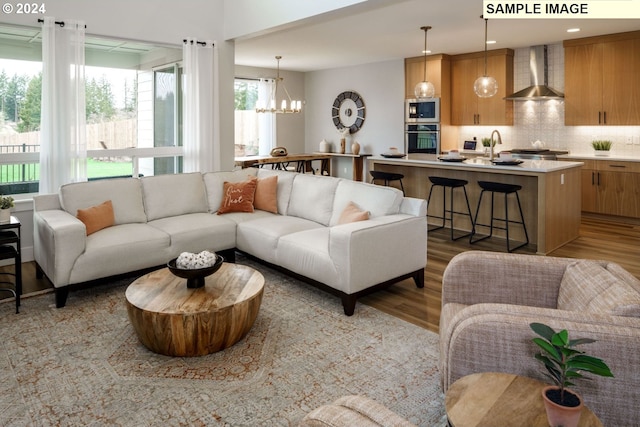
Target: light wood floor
(599,239)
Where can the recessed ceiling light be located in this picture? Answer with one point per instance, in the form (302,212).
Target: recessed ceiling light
(426,51)
(491,42)
(573,30)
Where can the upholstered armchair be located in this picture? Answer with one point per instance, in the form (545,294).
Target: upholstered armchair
(489,299)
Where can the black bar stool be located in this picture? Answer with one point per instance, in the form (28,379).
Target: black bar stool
(506,189)
(451,184)
(387,177)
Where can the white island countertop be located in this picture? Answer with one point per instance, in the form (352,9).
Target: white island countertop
(482,164)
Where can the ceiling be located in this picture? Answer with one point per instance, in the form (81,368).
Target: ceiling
(390,30)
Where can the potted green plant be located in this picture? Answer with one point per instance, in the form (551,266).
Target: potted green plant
(6,203)
(486,143)
(601,147)
(564,364)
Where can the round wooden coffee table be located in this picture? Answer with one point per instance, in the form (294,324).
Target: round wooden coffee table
(174,320)
(496,399)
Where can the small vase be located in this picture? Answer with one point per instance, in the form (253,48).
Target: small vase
(5,216)
(355,148)
(558,415)
(343,145)
(325,146)
(603,153)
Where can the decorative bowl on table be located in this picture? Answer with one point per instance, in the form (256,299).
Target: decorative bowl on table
(195,276)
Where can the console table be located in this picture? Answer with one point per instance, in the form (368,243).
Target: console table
(10,249)
(496,399)
(357,163)
(303,161)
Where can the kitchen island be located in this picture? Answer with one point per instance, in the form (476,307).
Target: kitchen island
(550,195)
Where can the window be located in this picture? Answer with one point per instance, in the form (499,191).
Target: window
(246,118)
(134,110)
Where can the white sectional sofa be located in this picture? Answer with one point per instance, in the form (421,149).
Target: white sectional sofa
(157,218)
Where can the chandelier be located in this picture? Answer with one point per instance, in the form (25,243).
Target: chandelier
(287,105)
(485,86)
(425,89)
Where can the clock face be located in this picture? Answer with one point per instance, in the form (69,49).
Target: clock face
(348,111)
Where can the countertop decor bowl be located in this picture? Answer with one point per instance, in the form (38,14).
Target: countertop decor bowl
(195,276)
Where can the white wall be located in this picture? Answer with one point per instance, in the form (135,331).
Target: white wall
(381,86)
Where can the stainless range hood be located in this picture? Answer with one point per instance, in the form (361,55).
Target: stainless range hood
(539,90)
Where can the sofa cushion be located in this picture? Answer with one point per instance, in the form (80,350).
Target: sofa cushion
(121,249)
(238,196)
(214,182)
(352,213)
(197,232)
(172,195)
(589,286)
(376,199)
(125,195)
(260,237)
(97,217)
(266,197)
(312,198)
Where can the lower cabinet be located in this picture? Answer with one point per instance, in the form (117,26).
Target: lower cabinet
(611,187)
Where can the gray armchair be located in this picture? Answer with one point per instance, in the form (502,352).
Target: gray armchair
(489,299)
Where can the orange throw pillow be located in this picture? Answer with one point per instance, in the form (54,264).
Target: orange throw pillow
(352,213)
(97,217)
(266,194)
(238,196)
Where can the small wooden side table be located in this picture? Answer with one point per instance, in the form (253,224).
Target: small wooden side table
(10,249)
(496,399)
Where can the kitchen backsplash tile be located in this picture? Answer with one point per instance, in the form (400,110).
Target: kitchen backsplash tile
(544,120)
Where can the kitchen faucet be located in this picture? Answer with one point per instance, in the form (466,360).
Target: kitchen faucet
(493,143)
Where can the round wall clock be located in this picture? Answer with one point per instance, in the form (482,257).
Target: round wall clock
(348,111)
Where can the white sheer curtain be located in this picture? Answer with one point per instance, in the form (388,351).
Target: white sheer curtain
(266,121)
(63,148)
(201,119)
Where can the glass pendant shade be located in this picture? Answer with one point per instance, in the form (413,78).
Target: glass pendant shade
(424,90)
(485,86)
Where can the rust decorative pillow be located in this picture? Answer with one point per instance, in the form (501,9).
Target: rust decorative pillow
(238,196)
(266,194)
(352,213)
(97,217)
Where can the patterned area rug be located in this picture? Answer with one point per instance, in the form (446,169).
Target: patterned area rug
(83,364)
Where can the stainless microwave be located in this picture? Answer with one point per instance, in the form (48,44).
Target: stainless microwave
(422,110)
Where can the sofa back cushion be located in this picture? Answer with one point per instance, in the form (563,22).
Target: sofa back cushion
(125,195)
(214,183)
(173,195)
(312,198)
(376,199)
(590,286)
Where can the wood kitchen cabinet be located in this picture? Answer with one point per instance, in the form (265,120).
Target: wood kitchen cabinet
(602,80)
(438,73)
(611,187)
(466,107)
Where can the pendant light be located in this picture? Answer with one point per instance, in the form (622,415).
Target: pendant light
(272,104)
(425,89)
(485,86)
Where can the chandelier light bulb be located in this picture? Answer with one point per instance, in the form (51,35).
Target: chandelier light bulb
(485,86)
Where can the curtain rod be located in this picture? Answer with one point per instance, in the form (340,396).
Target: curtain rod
(61,23)
(197,42)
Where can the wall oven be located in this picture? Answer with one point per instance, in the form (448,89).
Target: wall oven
(422,110)
(422,138)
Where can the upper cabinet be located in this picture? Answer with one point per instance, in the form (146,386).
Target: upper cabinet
(466,107)
(602,80)
(438,73)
